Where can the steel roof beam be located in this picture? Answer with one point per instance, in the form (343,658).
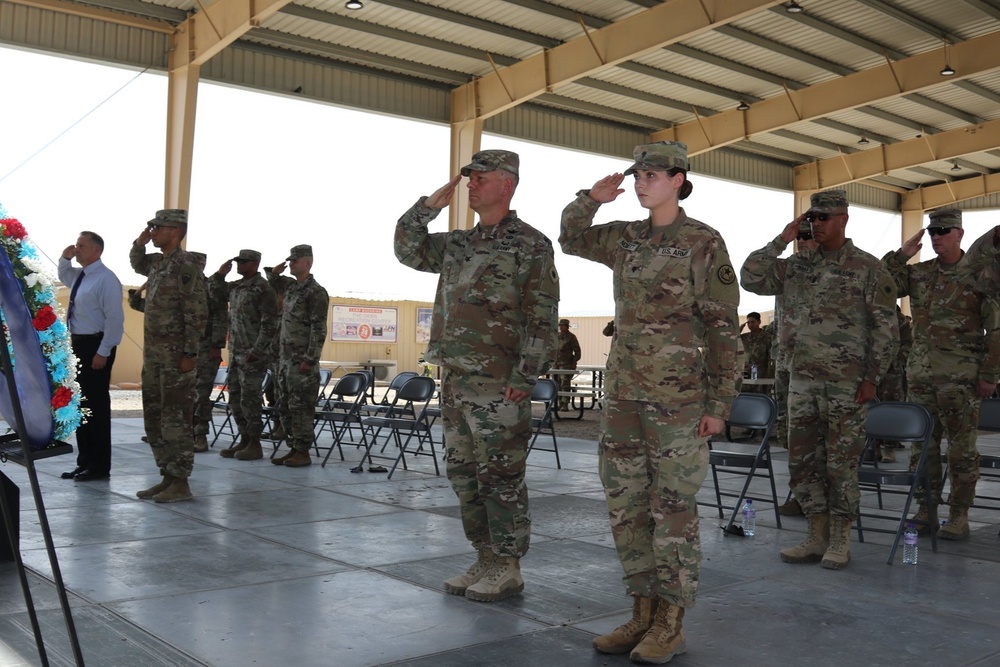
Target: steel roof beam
(987,8)
(472,22)
(98,13)
(911,20)
(935,196)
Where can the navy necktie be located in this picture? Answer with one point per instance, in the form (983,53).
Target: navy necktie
(72,298)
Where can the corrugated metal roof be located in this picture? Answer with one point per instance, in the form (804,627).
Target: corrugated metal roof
(403,56)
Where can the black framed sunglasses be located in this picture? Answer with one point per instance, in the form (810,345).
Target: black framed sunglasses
(939,231)
(822,217)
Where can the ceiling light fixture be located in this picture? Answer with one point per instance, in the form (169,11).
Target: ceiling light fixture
(794,8)
(955,167)
(947,71)
(863,141)
(743,106)
(354,4)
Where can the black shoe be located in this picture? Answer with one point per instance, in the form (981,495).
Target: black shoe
(90,476)
(71,475)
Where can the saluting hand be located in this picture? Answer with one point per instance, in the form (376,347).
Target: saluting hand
(69,252)
(226,267)
(607,189)
(278,268)
(791,230)
(912,245)
(144,237)
(442,196)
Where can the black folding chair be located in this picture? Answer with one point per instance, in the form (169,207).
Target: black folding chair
(221,402)
(545,392)
(406,416)
(899,422)
(989,464)
(340,412)
(757,413)
(394,386)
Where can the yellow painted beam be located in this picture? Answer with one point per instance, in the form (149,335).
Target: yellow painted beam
(667,23)
(936,196)
(98,14)
(222,23)
(182,98)
(466,139)
(836,171)
(969,58)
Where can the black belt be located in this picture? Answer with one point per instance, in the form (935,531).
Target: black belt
(95,335)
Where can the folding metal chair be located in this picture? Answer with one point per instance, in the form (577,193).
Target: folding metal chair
(406,416)
(545,392)
(989,464)
(756,412)
(394,386)
(221,402)
(901,422)
(340,412)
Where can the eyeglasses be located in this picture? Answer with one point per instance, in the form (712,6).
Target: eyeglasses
(822,217)
(939,231)
(153,228)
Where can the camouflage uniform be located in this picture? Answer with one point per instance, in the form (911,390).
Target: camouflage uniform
(840,310)
(672,361)
(493,326)
(253,320)
(176,310)
(302,335)
(568,355)
(956,343)
(207,367)
(757,350)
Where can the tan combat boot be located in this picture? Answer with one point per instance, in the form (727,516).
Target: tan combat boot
(298,458)
(502,580)
(922,520)
(957,525)
(252,451)
(839,554)
(280,460)
(625,637)
(665,637)
(816,543)
(201,443)
(278,432)
(791,508)
(146,494)
(230,452)
(476,571)
(178,490)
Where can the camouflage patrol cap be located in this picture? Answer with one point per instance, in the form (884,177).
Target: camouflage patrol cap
(661,156)
(946,217)
(300,251)
(493,160)
(247,256)
(200,256)
(828,201)
(170,217)
(562,322)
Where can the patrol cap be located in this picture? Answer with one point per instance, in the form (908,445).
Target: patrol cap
(946,217)
(300,251)
(200,256)
(562,322)
(170,217)
(828,201)
(247,256)
(661,156)
(493,160)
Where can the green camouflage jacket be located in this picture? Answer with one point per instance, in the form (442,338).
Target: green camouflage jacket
(176,304)
(253,314)
(302,330)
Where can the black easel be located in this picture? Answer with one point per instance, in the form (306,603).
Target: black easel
(13,449)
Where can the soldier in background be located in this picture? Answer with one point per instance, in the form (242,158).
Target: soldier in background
(954,363)
(253,319)
(568,355)
(176,309)
(302,334)
(209,357)
(756,348)
(670,384)
(842,303)
(493,331)
(893,387)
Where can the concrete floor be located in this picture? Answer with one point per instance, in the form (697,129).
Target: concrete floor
(318,566)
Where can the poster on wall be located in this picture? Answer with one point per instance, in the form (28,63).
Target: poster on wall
(424,324)
(363,324)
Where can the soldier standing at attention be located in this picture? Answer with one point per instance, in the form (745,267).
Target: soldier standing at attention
(567,357)
(493,331)
(842,304)
(954,362)
(302,332)
(253,319)
(209,357)
(176,314)
(669,387)
(756,347)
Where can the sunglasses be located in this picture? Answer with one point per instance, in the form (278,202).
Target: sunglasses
(822,217)
(939,231)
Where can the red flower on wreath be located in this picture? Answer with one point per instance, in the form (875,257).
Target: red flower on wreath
(45,318)
(13,228)
(61,398)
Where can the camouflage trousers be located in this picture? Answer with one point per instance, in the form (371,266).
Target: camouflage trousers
(487,446)
(246,398)
(297,406)
(565,383)
(781,398)
(955,408)
(652,464)
(167,407)
(826,433)
(206,371)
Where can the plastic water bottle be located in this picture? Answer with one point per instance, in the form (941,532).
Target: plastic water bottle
(753,371)
(749,518)
(910,545)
